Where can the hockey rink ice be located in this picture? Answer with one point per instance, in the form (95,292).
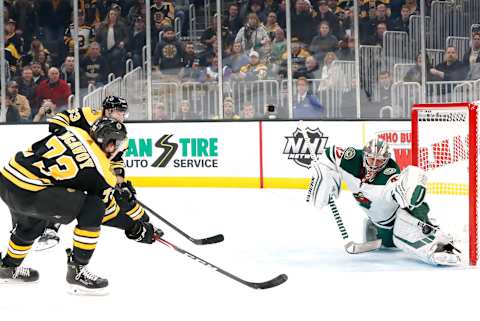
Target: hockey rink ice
(267,232)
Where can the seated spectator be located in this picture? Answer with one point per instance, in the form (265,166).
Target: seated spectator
(46,110)
(18,101)
(159,24)
(167,58)
(327,15)
(25,17)
(37,72)
(138,40)
(237,59)
(112,36)
(12,114)
(255,70)
(323,42)
(184,111)
(233,21)
(258,8)
(54,89)
(159,112)
(306,105)
(451,69)
(346,49)
(384,87)
(279,45)
(193,73)
(414,74)
(311,69)
(13,45)
(248,112)
(68,72)
(402,23)
(209,36)
(36,48)
(299,55)
(86,34)
(26,84)
(253,34)
(167,8)
(369,25)
(302,21)
(412,4)
(93,67)
(377,38)
(267,58)
(332,76)
(43,60)
(138,9)
(472,57)
(211,72)
(229,109)
(282,14)
(272,25)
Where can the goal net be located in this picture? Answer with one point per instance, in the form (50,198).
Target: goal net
(445,145)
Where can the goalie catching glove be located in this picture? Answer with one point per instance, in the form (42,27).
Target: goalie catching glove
(143,232)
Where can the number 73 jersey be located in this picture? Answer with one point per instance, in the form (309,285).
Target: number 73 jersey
(70,159)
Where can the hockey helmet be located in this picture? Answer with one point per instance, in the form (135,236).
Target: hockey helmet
(115,103)
(376,155)
(107,130)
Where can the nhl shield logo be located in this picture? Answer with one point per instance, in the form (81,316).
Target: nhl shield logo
(297,149)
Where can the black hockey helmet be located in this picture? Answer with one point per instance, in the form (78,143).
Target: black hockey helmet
(107,130)
(115,102)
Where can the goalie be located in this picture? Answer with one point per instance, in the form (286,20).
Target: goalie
(393,200)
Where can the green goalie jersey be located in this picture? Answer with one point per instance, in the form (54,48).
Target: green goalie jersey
(372,195)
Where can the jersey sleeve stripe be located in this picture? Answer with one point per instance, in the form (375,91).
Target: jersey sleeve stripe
(57,122)
(65,117)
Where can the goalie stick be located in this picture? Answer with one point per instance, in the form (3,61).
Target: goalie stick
(208,240)
(351,247)
(254,285)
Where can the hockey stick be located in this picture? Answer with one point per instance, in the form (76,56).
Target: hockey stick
(208,240)
(254,285)
(351,247)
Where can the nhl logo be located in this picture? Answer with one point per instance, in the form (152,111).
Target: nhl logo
(297,149)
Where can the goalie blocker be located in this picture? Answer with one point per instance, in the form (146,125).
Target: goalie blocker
(393,200)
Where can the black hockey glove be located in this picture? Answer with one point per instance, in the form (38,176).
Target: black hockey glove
(143,232)
(126,191)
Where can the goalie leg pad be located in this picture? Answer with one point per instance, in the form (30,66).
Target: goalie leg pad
(325,182)
(433,248)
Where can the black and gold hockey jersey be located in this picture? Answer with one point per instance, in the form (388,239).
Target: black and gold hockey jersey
(84,118)
(70,159)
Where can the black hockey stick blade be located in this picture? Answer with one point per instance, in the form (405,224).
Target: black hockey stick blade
(269,284)
(208,240)
(254,285)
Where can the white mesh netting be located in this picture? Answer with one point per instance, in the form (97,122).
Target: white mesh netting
(443,151)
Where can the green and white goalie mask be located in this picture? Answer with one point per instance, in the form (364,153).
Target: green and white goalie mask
(375,156)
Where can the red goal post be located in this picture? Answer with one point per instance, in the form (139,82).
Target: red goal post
(445,145)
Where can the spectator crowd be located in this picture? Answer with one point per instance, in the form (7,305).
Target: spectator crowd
(39,49)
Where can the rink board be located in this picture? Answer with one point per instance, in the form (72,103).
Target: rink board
(228,154)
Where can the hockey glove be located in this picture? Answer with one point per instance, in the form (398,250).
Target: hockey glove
(127,191)
(143,232)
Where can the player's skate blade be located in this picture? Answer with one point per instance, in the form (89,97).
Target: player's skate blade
(74,289)
(48,240)
(356,248)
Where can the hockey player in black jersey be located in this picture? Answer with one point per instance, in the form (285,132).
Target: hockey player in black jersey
(132,219)
(63,177)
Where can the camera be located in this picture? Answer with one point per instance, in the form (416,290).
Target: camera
(271,108)
(48,111)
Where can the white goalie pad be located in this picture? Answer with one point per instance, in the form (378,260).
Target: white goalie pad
(409,237)
(410,188)
(325,183)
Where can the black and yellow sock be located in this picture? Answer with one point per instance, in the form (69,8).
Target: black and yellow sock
(17,251)
(84,243)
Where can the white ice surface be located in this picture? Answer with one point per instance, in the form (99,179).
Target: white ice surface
(267,232)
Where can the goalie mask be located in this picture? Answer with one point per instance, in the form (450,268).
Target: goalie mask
(375,156)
